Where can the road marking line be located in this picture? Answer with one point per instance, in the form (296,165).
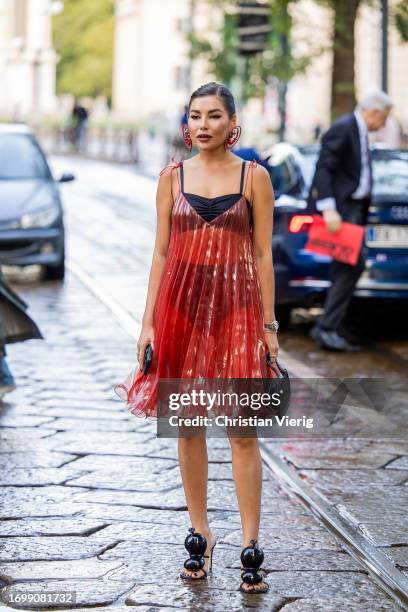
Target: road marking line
(125,320)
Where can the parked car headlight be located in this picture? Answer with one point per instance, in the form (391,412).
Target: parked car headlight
(40,218)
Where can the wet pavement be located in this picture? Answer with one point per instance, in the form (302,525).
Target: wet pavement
(92,501)
(364,480)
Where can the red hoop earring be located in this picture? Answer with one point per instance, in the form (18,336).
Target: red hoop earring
(232,137)
(187,137)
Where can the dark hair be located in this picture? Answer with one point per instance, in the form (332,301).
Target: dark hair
(215,89)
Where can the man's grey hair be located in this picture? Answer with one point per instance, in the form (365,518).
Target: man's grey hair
(376,100)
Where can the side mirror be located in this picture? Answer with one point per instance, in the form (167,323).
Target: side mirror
(66,177)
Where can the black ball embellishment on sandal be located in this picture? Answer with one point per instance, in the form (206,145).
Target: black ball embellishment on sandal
(251,576)
(195,543)
(252,556)
(194,563)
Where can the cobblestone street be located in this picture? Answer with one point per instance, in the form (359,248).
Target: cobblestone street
(92,500)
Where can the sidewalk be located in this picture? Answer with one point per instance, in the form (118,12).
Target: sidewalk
(94,502)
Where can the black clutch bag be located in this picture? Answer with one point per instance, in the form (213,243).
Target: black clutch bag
(147,358)
(280,371)
(280,384)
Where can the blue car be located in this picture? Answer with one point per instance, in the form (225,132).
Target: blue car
(302,277)
(31,213)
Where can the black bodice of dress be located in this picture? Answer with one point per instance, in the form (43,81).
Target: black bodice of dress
(210,208)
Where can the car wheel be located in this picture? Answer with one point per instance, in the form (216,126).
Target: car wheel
(54,272)
(283,316)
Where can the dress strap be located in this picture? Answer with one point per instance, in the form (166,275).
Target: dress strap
(241,185)
(173,165)
(181,177)
(252,165)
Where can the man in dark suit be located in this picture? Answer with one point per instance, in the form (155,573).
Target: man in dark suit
(341,191)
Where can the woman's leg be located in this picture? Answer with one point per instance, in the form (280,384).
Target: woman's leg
(193,461)
(247,472)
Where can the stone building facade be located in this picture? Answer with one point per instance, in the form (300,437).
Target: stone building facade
(27,59)
(153,76)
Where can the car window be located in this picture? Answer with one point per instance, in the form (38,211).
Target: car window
(21,158)
(391,176)
(286,178)
(308,165)
(390,172)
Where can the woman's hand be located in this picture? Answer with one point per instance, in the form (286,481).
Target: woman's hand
(272,344)
(146,337)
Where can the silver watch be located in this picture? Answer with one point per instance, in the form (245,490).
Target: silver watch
(274,326)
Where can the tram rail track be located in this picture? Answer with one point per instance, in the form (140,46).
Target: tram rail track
(333,517)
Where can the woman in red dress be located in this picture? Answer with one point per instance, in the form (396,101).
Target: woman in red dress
(210,308)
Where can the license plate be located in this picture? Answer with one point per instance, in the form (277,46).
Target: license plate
(388,236)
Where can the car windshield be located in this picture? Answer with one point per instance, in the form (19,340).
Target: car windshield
(21,158)
(286,177)
(390,172)
(391,175)
(308,164)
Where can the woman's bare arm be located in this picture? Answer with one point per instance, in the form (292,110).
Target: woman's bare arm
(262,209)
(164,204)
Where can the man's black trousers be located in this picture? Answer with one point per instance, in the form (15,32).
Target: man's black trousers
(343,276)
(343,280)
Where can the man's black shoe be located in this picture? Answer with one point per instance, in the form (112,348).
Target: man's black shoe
(332,341)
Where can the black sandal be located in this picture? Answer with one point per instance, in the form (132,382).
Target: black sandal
(195,544)
(252,557)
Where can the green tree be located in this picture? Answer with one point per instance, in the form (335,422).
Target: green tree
(255,70)
(400,15)
(343,44)
(83,38)
(278,59)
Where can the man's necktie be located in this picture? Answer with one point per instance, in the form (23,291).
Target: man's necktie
(369,162)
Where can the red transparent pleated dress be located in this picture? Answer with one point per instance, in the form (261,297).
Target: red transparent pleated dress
(208,317)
